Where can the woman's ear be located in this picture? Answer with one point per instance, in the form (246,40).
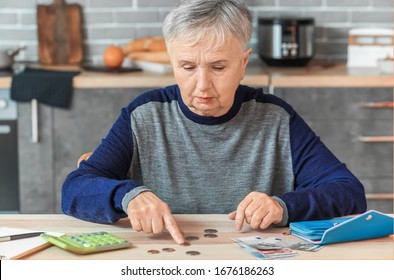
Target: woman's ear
(245,58)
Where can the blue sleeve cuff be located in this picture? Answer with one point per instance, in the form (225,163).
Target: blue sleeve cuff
(285,216)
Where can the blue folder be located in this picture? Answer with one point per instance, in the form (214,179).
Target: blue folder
(371,224)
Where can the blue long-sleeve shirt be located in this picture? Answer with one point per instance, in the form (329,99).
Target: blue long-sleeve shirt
(199,164)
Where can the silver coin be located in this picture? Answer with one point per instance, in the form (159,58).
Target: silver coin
(210,230)
(193,253)
(153,252)
(168,250)
(191,238)
(210,235)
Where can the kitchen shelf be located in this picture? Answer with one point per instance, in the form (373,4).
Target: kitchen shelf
(376,139)
(378,105)
(380,196)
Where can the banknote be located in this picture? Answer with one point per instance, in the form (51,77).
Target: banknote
(266,254)
(288,243)
(272,243)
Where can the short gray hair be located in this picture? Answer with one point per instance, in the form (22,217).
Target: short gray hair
(194,20)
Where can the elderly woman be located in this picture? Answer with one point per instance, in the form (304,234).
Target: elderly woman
(209,144)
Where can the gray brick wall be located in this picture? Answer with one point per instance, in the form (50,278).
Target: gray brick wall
(120,21)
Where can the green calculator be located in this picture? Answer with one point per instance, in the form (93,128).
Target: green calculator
(87,243)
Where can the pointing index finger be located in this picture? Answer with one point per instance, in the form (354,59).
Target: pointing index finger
(173,229)
(240,215)
(239,219)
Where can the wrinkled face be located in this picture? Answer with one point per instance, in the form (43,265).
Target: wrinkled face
(208,78)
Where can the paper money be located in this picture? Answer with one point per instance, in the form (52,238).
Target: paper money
(272,243)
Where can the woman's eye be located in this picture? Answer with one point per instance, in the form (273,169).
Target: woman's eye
(188,68)
(218,68)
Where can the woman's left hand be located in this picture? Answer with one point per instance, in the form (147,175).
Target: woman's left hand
(258,210)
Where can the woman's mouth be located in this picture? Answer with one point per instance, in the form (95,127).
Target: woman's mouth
(205,100)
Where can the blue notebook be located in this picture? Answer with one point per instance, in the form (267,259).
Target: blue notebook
(371,224)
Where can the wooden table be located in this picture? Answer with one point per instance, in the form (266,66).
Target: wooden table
(220,248)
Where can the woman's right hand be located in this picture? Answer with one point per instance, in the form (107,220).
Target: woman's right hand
(148,213)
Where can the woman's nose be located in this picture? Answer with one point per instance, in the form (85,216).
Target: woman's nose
(203,80)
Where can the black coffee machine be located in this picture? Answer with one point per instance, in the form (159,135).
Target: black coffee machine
(286,41)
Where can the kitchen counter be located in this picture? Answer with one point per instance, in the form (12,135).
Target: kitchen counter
(314,75)
(337,75)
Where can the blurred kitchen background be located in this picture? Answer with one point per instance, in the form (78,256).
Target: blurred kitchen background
(350,108)
(120,21)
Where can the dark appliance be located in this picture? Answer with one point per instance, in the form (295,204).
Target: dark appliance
(9,182)
(285,41)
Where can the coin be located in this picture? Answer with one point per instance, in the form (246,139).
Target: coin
(153,252)
(210,235)
(191,238)
(210,230)
(168,250)
(185,244)
(193,253)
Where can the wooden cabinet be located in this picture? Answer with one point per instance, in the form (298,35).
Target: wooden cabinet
(339,116)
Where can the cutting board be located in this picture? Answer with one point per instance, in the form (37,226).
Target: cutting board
(60,40)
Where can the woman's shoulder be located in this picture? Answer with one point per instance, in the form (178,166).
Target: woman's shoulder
(259,96)
(161,95)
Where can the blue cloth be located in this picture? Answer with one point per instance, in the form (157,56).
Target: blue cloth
(49,87)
